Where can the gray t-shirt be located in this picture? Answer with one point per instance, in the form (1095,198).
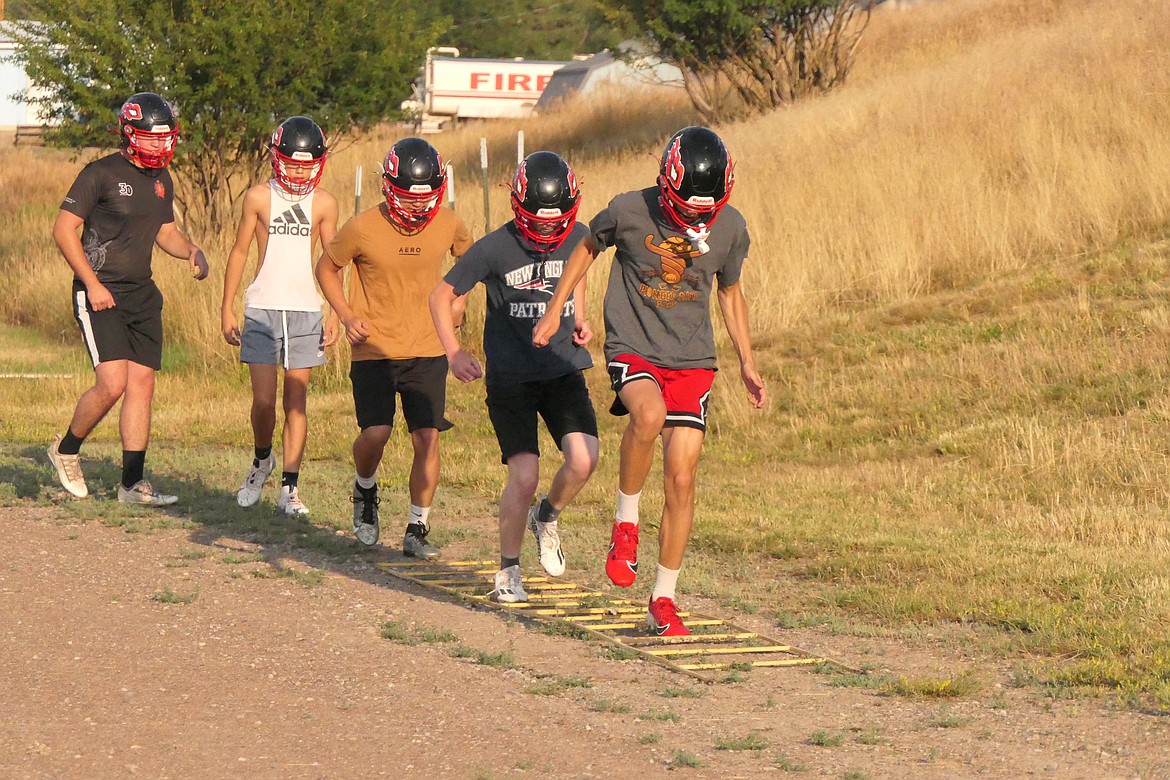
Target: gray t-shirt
(657,305)
(520,281)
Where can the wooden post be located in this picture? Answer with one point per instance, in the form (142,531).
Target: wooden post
(483,166)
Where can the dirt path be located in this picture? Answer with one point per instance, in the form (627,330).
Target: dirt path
(175,655)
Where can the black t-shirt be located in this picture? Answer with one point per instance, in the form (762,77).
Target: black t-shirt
(123,207)
(520,281)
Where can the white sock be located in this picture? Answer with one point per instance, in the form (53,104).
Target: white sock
(665,583)
(367,482)
(627,508)
(419,515)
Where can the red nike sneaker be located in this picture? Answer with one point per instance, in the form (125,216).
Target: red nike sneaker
(622,562)
(664,620)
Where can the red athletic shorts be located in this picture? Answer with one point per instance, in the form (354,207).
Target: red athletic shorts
(685,390)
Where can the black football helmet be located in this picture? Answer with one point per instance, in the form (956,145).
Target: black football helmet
(143,117)
(298,141)
(545,199)
(414,179)
(695,178)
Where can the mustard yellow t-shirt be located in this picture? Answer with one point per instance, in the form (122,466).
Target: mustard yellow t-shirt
(394,276)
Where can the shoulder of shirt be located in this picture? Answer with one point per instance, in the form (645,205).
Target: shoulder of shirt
(733,215)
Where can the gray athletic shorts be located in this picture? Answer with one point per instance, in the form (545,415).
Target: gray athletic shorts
(292,339)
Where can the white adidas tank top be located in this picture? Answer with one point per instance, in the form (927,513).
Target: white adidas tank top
(285,281)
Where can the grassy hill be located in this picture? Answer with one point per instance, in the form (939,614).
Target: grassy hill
(959,287)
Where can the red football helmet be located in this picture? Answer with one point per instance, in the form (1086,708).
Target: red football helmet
(298,142)
(414,179)
(149,129)
(695,178)
(545,199)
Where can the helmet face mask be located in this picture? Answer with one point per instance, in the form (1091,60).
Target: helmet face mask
(149,130)
(545,199)
(414,179)
(695,178)
(298,155)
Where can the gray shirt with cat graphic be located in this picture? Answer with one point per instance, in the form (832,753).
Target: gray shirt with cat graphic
(657,305)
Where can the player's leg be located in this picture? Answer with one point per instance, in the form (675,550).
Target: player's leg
(639,393)
(107,342)
(422,384)
(304,351)
(568,414)
(260,346)
(680,464)
(292,440)
(264,378)
(373,398)
(142,312)
(685,394)
(523,475)
(512,410)
(134,426)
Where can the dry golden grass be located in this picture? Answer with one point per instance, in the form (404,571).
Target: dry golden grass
(958,281)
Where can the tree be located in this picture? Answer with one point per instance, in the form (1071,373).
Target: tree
(233,69)
(546,29)
(763,53)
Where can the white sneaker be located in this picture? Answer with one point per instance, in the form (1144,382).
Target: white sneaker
(254,483)
(68,469)
(548,542)
(509,586)
(142,493)
(289,502)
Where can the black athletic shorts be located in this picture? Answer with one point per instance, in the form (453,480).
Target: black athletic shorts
(131,330)
(563,402)
(421,382)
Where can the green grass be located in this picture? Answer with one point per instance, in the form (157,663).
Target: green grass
(501,660)
(684,760)
(602,704)
(990,457)
(749,742)
(961,685)
(822,738)
(555,685)
(168,596)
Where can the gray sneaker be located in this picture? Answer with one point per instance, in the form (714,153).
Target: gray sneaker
(509,586)
(68,470)
(253,485)
(415,544)
(365,516)
(142,493)
(548,542)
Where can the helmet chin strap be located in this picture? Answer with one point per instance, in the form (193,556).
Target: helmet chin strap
(699,235)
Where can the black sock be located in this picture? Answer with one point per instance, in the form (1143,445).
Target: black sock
(546,513)
(261,454)
(289,479)
(506,562)
(133,466)
(367,493)
(416,529)
(70,444)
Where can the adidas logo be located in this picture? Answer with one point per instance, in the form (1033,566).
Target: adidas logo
(293,222)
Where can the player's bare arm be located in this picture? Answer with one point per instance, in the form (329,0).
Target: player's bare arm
(250,220)
(582,333)
(464,367)
(65,233)
(329,279)
(575,269)
(735,317)
(172,241)
(324,229)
